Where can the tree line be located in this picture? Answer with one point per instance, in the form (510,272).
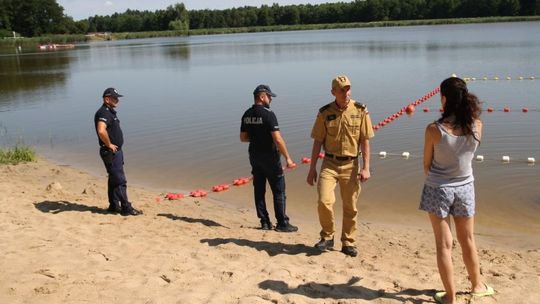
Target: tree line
(38,17)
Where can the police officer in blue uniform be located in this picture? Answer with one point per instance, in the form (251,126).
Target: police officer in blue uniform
(260,128)
(111,140)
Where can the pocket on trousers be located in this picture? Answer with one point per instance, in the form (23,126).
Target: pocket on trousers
(106,156)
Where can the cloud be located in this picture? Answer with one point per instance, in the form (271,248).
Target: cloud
(109,3)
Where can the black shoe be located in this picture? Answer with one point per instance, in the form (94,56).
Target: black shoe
(114,209)
(131,211)
(325,245)
(266,225)
(350,251)
(286,228)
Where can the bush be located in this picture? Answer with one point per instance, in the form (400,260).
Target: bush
(19,154)
(5,33)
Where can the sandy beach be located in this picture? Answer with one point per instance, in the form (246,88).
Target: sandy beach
(59,245)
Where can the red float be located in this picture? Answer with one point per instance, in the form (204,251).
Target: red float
(410,109)
(525,110)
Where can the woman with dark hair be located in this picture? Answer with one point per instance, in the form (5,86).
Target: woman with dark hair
(449,147)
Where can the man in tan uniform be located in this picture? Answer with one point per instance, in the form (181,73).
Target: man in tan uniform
(343,127)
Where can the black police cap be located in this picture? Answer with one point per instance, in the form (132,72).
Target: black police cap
(111,92)
(263,88)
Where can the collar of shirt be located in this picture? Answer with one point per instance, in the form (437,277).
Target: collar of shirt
(110,109)
(349,103)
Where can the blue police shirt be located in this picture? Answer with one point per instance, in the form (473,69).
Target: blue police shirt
(259,122)
(108,116)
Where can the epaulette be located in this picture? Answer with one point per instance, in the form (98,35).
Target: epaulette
(359,105)
(324,108)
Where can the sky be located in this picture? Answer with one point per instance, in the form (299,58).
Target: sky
(82,9)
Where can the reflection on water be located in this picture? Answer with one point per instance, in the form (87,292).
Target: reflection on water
(184,98)
(23,75)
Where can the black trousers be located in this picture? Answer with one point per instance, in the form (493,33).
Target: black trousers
(267,167)
(117,183)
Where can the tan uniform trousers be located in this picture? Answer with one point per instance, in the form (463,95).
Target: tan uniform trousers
(346,174)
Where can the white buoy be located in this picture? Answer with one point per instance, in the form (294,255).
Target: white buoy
(506,159)
(454,75)
(480,158)
(405,154)
(520,77)
(508,78)
(496,78)
(382,154)
(531,78)
(531,160)
(485,78)
(473,78)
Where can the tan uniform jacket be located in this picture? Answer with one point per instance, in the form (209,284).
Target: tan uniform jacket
(341,131)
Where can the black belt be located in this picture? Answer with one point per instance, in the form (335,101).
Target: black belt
(340,157)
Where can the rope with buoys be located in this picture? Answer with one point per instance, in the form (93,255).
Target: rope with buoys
(497,78)
(408,109)
(305,160)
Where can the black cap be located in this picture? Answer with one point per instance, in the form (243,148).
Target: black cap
(111,92)
(263,88)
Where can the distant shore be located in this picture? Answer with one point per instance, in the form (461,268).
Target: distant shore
(10,42)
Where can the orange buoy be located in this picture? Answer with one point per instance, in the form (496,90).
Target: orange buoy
(219,188)
(174,196)
(506,109)
(490,109)
(321,155)
(426,109)
(525,110)
(410,109)
(241,181)
(306,160)
(198,193)
(375,127)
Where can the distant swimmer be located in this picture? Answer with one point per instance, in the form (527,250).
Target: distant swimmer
(450,143)
(111,140)
(343,127)
(259,127)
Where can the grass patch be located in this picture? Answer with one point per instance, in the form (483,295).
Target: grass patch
(19,154)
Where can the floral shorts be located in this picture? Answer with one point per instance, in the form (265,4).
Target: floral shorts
(444,201)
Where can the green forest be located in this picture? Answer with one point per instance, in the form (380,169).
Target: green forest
(32,18)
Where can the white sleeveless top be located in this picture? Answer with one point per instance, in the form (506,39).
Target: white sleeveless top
(452,160)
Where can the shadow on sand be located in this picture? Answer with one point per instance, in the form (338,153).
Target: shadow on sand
(272,249)
(345,291)
(205,222)
(55,207)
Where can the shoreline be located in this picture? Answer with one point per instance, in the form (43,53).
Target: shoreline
(60,246)
(371,210)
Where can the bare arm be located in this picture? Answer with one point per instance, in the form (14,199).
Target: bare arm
(101,129)
(280,143)
(244,137)
(365,148)
(479,126)
(315,150)
(432,136)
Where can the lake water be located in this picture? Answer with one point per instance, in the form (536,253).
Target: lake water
(184,98)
